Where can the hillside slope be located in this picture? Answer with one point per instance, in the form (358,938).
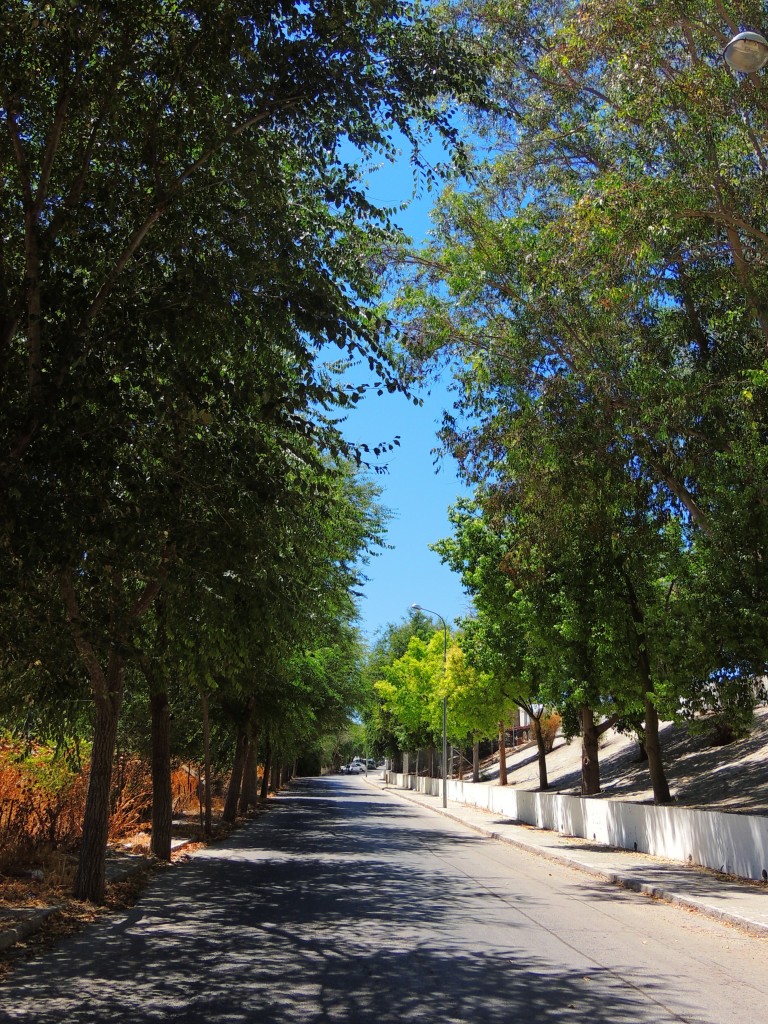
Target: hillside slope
(728,778)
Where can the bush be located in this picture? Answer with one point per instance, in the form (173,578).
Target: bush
(131,797)
(42,799)
(186,788)
(550,724)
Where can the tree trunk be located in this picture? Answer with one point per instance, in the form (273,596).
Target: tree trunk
(502,755)
(277,769)
(590,756)
(90,879)
(107,690)
(208,829)
(162,798)
(249,789)
(476,761)
(541,752)
(235,779)
(661,794)
(267,770)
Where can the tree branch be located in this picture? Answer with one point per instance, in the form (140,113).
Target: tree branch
(83,645)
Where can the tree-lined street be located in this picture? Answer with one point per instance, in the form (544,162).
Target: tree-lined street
(349,904)
(198,290)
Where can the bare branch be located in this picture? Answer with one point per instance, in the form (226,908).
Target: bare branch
(31,258)
(82,643)
(51,148)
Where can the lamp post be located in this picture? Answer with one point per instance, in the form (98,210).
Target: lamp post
(747,52)
(419,608)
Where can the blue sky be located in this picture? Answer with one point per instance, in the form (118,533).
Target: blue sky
(417,495)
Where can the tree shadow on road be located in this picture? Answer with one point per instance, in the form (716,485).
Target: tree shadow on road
(282,923)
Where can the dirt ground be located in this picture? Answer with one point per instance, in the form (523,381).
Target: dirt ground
(731,778)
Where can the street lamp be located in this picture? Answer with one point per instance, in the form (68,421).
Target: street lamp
(747,52)
(419,608)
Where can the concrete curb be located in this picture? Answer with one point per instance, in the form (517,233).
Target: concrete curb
(32,919)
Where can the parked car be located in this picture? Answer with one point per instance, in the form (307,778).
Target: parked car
(355,768)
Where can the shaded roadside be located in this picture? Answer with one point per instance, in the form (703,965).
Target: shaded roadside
(50,915)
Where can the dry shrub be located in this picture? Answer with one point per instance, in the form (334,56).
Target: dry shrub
(185,787)
(550,727)
(42,798)
(131,797)
(42,802)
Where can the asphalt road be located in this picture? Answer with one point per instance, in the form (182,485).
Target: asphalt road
(349,904)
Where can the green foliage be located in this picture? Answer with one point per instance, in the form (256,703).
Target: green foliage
(382,730)
(50,770)
(333,749)
(183,235)
(598,288)
(412,692)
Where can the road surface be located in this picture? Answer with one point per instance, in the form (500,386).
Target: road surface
(348,904)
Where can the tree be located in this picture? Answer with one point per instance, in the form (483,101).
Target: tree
(412,691)
(500,638)
(128,135)
(170,181)
(599,284)
(389,645)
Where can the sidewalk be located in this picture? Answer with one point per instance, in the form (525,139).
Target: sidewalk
(18,923)
(719,896)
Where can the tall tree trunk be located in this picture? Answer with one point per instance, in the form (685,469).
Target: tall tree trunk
(267,771)
(235,779)
(91,869)
(107,690)
(541,752)
(249,788)
(590,755)
(476,761)
(661,793)
(277,769)
(206,762)
(248,767)
(162,798)
(502,754)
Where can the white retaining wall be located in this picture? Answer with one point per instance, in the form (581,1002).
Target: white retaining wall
(735,843)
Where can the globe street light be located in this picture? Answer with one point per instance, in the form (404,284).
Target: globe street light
(418,608)
(747,52)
